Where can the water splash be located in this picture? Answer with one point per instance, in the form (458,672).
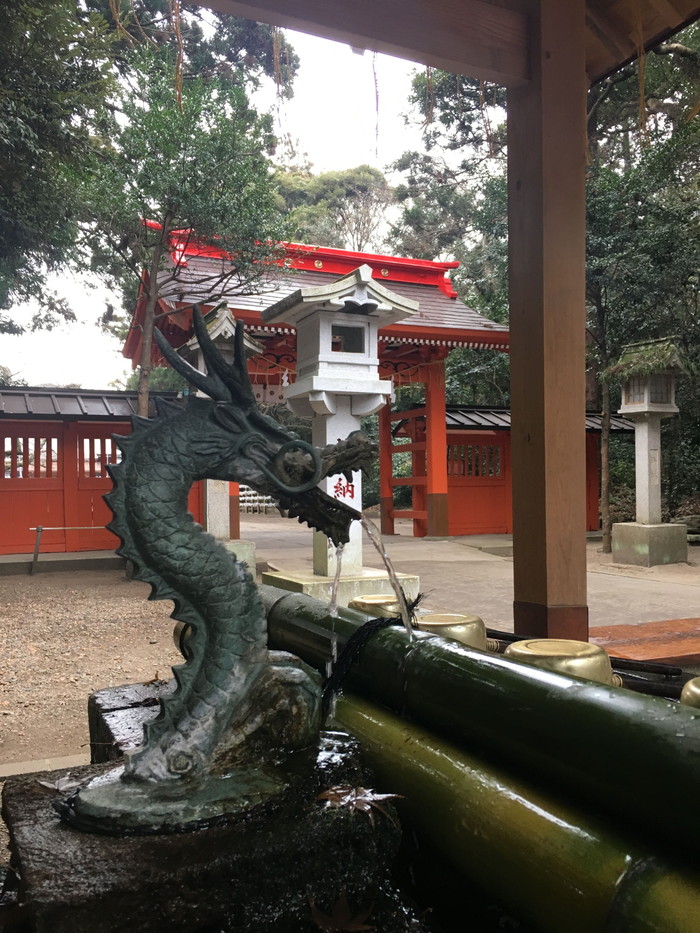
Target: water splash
(375,537)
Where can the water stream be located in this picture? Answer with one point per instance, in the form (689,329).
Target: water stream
(375,537)
(333,604)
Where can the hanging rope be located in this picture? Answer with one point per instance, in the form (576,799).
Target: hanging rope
(641,74)
(175,12)
(429,96)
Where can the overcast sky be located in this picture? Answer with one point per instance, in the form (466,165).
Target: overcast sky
(342,117)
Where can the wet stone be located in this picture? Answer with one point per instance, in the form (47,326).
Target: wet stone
(278,870)
(116,717)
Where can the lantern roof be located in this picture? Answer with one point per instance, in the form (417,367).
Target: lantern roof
(221,325)
(354,293)
(647,357)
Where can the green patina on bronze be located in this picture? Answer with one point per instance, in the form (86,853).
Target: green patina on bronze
(218,743)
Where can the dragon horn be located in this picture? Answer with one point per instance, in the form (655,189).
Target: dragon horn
(210,385)
(234,377)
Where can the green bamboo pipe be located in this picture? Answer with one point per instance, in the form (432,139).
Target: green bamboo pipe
(553,865)
(633,757)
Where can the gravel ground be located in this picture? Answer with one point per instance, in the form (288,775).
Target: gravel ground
(63,636)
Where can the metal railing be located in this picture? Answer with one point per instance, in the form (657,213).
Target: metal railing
(42,528)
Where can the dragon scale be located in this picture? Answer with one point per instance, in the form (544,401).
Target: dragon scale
(213,592)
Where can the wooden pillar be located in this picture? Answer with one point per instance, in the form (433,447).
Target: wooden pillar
(546,185)
(436,448)
(234,510)
(386,492)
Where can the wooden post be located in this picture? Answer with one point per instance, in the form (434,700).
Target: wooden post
(386,491)
(436,448)
(546,183)
(234,509)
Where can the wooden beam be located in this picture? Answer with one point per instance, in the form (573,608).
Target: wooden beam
(669,11)
(546,182)
(608,42)
(616,34)
(482,39)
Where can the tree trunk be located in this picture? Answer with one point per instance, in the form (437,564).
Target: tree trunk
(605,468)
(148,321)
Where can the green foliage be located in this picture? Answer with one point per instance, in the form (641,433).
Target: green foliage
(401,468)
(642,244)
(460,114)
(54,73)
(680,444)
(198,163)
(59,65)
(457,208)
(370,477)
(477,377)
(643,248)
(622,461)
(214,45)
(162,378)
(344,209)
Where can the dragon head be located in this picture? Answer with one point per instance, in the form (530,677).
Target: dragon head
(260,452)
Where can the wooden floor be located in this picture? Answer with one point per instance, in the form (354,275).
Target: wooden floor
(675,642)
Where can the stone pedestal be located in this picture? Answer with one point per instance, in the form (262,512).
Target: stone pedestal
(293,867)
(649,545)
(217,520)
(350,586)
(328,428)
(267,873)
(244,551)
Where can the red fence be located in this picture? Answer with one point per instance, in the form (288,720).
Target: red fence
(55,475)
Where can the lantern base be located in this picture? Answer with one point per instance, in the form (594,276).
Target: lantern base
(349,587)
(649,545)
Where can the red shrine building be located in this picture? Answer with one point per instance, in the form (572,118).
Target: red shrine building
(460,476)
(411,351)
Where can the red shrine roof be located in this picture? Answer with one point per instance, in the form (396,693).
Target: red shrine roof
(442,320)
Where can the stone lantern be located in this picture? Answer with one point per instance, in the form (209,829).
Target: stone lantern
(217,512)
(648,371)
(337,379)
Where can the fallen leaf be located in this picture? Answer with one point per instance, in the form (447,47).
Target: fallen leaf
(62,785)
(357,798)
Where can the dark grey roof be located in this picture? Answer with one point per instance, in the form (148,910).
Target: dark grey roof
(498,419)
(436,310)
(48,403)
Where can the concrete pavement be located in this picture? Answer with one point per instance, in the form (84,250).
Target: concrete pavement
(458,577)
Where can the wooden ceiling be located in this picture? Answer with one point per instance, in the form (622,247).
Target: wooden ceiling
(481,38)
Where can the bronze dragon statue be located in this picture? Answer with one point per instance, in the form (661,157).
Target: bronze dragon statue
(236,705)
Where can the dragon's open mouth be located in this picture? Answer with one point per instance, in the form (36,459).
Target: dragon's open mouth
(321,511)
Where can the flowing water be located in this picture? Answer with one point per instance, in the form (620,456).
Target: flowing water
(375,537)
(333,604)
